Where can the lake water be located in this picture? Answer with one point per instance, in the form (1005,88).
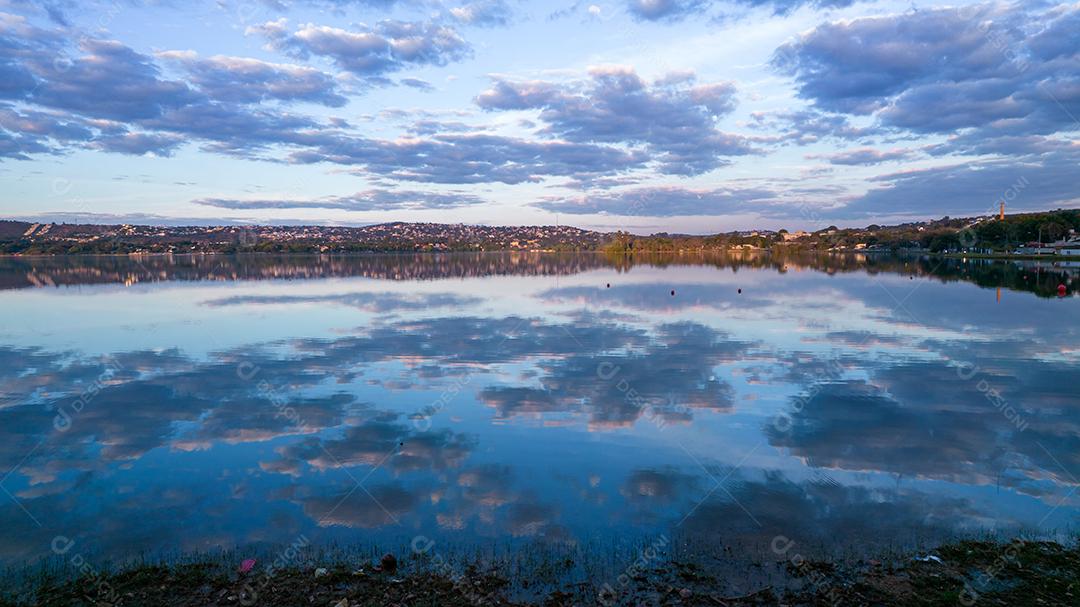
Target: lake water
(165,405)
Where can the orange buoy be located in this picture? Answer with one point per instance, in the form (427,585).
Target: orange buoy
(1062,290)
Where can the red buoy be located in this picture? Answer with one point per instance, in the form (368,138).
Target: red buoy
(1061,290)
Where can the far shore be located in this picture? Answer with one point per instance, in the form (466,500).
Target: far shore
(1009,256)
(789,248)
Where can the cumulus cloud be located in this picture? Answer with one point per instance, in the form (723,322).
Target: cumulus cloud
(234,130)
(109,80)
(113,98)
(675,121)
(369,51)
(19,147)
(804,127)
(332,4)
(783,7)
(418,84)
(31,132)
(677,10)
(370,200)
(116,99)
(973,187)
(90,100)
(665,10)
(997,68)
(244,80)
(470,158)
(996,79)
(138,144)
(484,13)
(866,156)
(992,80)
(430,127)
(663,202)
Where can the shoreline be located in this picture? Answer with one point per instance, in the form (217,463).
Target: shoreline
(1007,256)
(965,572)
(600,251)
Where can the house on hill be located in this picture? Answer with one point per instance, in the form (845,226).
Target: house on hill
(1068,246)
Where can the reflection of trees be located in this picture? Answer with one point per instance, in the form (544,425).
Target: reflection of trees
(22,272)
(1041,278)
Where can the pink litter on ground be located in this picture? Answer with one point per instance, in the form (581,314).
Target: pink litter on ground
(247,565)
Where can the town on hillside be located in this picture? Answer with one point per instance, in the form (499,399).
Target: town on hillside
(1055,233)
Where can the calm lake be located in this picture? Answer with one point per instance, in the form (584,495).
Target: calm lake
(160,406)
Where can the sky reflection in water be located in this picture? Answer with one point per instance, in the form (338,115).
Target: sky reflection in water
(528,401)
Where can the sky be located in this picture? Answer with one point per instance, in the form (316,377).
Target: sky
(688,116)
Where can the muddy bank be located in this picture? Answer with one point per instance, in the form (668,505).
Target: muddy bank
(964,573)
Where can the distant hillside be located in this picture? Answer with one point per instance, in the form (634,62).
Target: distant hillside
(13,230)
(986,234)
(971,234)
(28,238)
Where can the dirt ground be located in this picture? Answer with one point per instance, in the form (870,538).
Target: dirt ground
(965,574)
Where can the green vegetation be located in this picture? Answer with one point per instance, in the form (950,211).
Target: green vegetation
(985,235)
(623,242)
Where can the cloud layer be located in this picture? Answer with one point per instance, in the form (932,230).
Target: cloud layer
(873,111)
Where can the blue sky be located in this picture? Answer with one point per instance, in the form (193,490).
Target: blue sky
(644,115)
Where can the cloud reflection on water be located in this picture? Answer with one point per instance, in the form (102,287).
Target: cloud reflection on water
(560,407)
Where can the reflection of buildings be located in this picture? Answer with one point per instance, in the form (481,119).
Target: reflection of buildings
(1067,246)
(27,272)
(23,272)
(1068,269)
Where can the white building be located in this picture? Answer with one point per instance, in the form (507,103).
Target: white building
(1067,247)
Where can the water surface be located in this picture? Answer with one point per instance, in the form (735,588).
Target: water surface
(163,405)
